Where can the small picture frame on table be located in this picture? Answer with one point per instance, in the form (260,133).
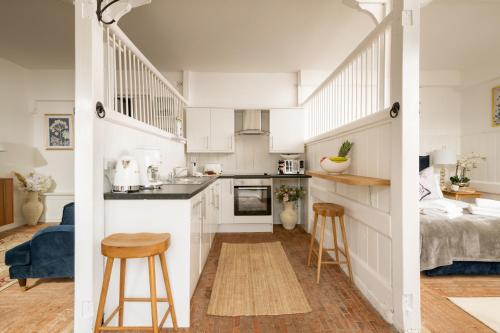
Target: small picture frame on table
(59,132)
(495,113)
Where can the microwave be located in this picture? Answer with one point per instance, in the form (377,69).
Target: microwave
(291,167)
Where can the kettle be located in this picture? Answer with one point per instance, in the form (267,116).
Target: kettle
(126,175)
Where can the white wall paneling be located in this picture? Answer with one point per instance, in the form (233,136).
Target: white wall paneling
(367,209)
(54,204)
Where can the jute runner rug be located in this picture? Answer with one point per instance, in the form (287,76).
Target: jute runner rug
(254,280)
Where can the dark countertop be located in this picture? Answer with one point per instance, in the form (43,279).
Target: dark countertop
(185,192)
(256,176)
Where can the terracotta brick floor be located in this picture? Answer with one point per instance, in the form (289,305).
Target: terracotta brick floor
(337,306)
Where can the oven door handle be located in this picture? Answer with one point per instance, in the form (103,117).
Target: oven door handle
(252,188)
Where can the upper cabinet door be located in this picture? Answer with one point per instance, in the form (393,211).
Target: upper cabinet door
(198,130)
(222,130)
(286,127)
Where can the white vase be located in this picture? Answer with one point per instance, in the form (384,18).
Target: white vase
(289,215)
(32,208)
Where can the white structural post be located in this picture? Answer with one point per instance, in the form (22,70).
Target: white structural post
(404,88)
(89,213)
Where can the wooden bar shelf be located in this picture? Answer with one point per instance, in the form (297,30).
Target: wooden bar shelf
(350,179)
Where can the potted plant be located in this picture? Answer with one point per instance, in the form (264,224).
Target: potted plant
(464,165)
(339,163)
(289,195)
(33,184)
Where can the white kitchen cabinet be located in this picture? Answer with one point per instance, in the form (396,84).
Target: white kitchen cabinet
(226,201)
(286,130)
(222,130)
(197,129)
(210,130)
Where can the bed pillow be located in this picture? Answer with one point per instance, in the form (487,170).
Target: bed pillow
(429,185)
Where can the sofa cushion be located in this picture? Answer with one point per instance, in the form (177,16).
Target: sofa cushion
(19,255)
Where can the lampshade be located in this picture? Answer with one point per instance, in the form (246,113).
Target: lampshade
(444,157)
(2,148)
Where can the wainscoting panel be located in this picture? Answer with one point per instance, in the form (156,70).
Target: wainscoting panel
(53,206)
(367,209)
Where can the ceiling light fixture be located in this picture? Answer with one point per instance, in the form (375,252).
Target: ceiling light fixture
(110,11)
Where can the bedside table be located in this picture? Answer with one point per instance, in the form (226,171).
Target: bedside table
(461,195)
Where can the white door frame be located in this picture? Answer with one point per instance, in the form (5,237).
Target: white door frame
(404,76)
(89,213)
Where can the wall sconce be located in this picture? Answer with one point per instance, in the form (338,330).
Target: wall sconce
(3,148)
(110,11)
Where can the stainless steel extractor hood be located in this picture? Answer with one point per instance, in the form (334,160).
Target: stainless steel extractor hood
(252,123)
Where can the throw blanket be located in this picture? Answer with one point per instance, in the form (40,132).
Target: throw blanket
(465,238)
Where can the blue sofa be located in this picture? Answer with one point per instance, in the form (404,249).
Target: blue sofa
(49,254)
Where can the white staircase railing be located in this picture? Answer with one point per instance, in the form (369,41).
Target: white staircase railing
(136,89)
(357,88)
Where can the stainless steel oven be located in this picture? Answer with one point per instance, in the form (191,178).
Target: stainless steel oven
(252,197)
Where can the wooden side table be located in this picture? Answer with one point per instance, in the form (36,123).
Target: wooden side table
(461,195)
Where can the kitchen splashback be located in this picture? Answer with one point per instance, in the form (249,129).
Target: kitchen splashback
(251,156)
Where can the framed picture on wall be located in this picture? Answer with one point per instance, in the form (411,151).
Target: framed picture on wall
(59,132)
(496,107)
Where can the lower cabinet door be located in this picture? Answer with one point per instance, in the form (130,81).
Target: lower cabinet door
(226,201)
(195,244)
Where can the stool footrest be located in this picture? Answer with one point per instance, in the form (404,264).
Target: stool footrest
(126,328)
(132,328)
(143,299)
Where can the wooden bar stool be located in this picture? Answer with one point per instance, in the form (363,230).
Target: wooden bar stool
(329,210)
(128,246)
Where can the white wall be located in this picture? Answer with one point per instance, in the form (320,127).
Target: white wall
(26,96)
(16,128)
(455,112)
(440,111)
(308,81)
(52,92)
(126,139)
(243,90)
(477,134)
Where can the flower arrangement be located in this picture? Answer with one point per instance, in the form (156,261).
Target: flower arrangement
(290,193)
(34,182)
(464,165)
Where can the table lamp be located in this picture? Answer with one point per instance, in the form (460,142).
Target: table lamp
(443,158)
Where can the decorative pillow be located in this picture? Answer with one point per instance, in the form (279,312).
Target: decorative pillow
(429,185)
